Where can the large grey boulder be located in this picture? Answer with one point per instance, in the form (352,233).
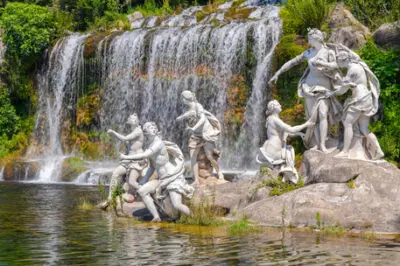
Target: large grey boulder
(388,35)
(370,203)
(346,29)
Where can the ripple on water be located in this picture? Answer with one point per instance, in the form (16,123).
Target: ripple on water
(41,224)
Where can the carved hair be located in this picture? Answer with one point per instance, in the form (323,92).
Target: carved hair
(344,53)
(188,95)
(272,106)
(147,125)
(316,34)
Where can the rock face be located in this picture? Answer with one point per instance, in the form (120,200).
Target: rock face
(371,203)
(346,29)
(19,170)
(388,35)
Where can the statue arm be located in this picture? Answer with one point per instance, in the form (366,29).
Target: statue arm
(154,147)
(185,115)
(289,129)
(199,123)
(348,81)
(288,65)
(128,137)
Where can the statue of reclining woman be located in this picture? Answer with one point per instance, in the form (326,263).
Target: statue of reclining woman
(275,153)
(166,159)
(131,169)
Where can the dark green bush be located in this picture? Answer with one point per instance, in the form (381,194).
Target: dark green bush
(9,121)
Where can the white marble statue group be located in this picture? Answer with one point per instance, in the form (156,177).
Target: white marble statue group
(154,168)
(332,70)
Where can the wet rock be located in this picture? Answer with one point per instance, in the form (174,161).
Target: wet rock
(388,35)
(371,203)
(71,169)
(21,171)
(134,16)
(346,29)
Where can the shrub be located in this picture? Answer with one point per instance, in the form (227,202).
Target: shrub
(9,121)
(298,15)
(28,30)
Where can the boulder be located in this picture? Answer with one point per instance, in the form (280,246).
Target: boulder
(20,170)
(346,29)
(369,202)
(388,35)
(134,16)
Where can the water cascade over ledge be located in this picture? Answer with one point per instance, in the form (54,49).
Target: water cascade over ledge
(225,61)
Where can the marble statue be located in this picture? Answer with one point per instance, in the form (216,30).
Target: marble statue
(205,130)
(359,107)
(167,161)
(129,168)
(275,153)
(315,86)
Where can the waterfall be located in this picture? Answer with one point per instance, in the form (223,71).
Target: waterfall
(2,173)
(225,62)
(58,86)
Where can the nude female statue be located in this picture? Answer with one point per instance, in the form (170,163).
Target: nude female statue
(166,159)
(362,104)
(275,152)
(318,79)
(205,130)
(133,169)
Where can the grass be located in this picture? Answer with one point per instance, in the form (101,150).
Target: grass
(85,205)
(243,226)
(278,187)
(205,213)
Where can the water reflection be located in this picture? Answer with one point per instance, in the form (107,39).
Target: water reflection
(41,224)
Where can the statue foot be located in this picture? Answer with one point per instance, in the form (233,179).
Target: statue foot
(324,150)
(221,176)
(156,220)
(342,154)
(104,205)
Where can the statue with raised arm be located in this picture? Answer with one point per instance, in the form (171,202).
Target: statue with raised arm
(358,108)
(315,84)
(167,161)
(275,153)
(131,169)
(205,130)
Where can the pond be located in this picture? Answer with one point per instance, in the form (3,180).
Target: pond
(42,224)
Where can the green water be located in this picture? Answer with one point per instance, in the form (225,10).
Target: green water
(41,224)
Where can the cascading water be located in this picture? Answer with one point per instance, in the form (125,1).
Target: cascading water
(146,69)
(58,86)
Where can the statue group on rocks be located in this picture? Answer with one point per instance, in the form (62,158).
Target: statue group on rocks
(322,81)
(154,168)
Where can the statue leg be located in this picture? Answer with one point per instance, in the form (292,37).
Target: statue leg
(209,150)
(195,166)
(116,179)
(144,192)
(348,122)
(323,125)
(375,151)
(131,186)
(176,200)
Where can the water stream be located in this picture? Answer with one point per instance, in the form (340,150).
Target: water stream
(146,69)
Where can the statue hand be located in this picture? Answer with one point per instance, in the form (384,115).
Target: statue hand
(123,156)
(189,129)
(310,123)
(273,80)
(110,131)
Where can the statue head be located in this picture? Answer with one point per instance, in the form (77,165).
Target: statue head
(133,119)
(150,129)
(188,97)
(315,35)
(344,56)
(273,107)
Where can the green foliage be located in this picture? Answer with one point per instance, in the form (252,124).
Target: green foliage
(28,30)
(279,187)
(88,11)
(152,8)
(203,213)
(76,163)
(298,15)
(374,13)
(386,66)
(243,226)
(9,121)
